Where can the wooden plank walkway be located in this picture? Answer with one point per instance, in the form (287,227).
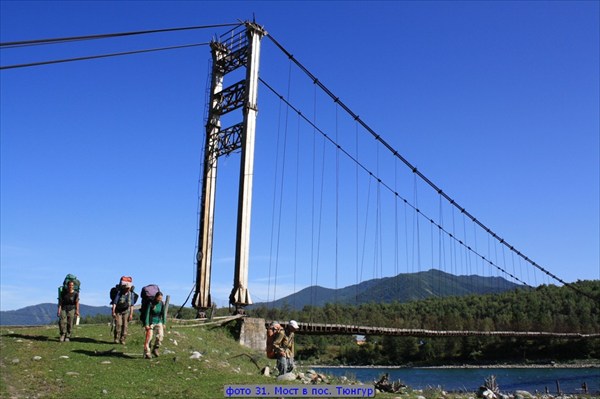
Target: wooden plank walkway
(332,329)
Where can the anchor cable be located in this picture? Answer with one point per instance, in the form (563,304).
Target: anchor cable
(93,57)
(36,42)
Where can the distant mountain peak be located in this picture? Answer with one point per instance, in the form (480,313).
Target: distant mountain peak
(404,287)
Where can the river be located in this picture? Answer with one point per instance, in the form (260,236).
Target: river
(470,379)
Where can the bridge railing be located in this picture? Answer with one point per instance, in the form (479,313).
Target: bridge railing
(332,329)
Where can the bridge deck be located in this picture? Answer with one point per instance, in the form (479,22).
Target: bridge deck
(317,328)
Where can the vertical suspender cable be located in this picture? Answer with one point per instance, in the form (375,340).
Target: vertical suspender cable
(283,161)
(356,250)
(467,257)
(312,218)
(274,201)
(418,241)
(441,246)
(337,201)
(377,219)
(396,232)
(364,243)
(320,220)
(296,205)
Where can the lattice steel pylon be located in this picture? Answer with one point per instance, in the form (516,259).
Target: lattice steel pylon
(241,48)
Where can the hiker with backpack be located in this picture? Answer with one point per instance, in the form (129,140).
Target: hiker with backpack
(279,348)
(68,308)
(283,345)
(275,333)
(122,300)
(153,317)
(272,331)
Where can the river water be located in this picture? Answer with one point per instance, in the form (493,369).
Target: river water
(470,379)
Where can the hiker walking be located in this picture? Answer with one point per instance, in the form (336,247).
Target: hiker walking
(289,344)
(154,320)
(68,310)
(122,310)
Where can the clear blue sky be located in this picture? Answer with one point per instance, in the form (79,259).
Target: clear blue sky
(496,102)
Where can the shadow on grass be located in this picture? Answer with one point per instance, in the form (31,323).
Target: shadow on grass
(33,337)
(109,353)
(89,340)
(56,339)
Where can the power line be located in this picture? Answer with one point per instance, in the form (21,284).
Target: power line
(35,42)
(100,56)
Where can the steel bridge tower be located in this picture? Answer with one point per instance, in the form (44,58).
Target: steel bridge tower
(238,48)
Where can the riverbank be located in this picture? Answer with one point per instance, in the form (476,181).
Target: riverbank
(568,380)
(469,366)
(519,366)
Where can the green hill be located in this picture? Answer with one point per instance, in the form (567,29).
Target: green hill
(404,287)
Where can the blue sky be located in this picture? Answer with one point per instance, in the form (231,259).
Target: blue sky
(496,102)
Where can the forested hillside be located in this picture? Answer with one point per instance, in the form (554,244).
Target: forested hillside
(403,287)
(546,308)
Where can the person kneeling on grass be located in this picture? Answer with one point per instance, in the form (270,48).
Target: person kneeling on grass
(154,320)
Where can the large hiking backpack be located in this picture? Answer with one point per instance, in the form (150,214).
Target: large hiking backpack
(64,286)
(124,281)
(271,334)
(148,293)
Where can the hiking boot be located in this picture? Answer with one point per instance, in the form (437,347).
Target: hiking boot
(116,341)
(62,338)
(155,352)
(122,342)
(147,356)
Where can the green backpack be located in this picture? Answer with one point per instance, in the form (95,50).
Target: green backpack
(65,285)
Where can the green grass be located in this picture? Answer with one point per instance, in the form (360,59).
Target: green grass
(92,370)
(92,366)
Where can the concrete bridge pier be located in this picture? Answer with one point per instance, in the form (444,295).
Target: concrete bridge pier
(253,333)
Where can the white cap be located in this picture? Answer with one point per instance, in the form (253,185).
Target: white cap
(294,324)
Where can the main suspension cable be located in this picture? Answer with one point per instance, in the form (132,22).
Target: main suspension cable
(415,208)
(415,170)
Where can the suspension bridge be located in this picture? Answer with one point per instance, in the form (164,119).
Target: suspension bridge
(242,48)
(345,206)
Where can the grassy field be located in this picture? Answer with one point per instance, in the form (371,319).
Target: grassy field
(34,364)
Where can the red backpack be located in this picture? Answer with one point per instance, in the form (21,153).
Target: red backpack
(271,334)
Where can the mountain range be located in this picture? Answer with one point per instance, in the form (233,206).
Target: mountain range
(401,288)
(44,313)
(404,287)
